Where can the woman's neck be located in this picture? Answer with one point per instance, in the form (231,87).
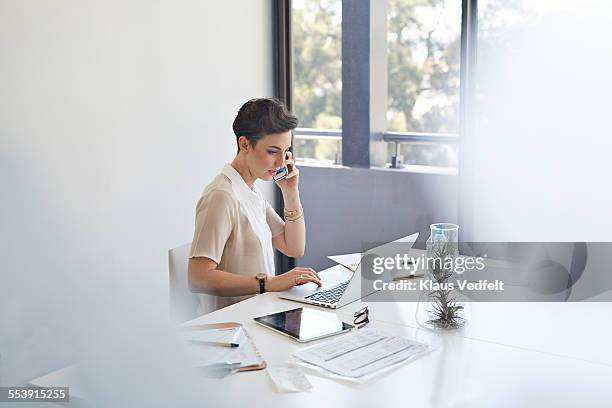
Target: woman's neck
(242,169)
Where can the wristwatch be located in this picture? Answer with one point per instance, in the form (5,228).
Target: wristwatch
(261,277)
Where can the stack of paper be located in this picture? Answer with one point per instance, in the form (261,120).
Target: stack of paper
(361,354)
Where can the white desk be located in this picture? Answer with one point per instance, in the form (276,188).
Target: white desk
(511,354)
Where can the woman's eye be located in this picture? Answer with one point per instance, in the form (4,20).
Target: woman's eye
(271,152)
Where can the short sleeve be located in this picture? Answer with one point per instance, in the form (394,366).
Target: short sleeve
(275,222)
(213,225)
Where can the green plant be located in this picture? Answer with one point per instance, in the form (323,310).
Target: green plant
(445,312)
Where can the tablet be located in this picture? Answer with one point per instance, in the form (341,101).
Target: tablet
(305,324)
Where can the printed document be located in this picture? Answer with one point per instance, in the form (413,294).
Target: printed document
(362,352)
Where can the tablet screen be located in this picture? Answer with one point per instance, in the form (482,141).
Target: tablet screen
(305,324)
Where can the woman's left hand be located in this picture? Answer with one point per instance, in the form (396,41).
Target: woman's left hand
(291,181)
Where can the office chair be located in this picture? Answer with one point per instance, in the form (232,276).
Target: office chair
(185,305)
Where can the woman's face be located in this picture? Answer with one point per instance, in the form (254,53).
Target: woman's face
(268,155)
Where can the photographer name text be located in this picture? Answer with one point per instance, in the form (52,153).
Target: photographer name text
(428,285)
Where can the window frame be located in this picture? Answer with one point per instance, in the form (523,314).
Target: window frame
(283,89)
(361,125)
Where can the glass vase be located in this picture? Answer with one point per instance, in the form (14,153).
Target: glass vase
(441,305)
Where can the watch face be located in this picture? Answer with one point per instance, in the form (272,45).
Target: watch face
(261,277)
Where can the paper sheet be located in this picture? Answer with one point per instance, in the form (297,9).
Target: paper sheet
(363,352)
(289,379)
(352,261)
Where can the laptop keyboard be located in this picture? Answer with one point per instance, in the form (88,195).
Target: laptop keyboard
(329,295)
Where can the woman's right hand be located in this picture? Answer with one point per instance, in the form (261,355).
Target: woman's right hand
(294,277)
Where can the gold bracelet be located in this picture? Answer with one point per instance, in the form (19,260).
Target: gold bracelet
(294,215)
(301,216)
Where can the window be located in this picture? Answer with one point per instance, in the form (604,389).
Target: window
(317,79)
(422,80)
(423,60)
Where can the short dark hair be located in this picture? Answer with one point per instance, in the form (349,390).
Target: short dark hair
(262,116)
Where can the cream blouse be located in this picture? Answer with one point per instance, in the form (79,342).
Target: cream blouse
(234,227)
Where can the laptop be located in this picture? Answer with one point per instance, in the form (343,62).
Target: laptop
(339,285)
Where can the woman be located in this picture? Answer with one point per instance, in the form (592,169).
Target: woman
(236,228)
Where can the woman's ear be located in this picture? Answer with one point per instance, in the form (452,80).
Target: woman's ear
(243,142)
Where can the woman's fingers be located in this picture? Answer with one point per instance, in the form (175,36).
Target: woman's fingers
(310,270)
(315,272)
(289,159)
(303,279)
(304,269)
(308,277)
(292,172)
(290,164)
(315,278)
(305,275)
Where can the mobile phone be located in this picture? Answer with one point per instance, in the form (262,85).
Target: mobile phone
(280,174)
(283,171)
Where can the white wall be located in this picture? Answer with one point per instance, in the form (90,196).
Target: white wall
(113,117)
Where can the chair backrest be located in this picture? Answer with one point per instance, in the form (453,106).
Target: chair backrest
(185,305)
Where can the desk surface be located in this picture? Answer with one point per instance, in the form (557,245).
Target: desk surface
(511,354)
